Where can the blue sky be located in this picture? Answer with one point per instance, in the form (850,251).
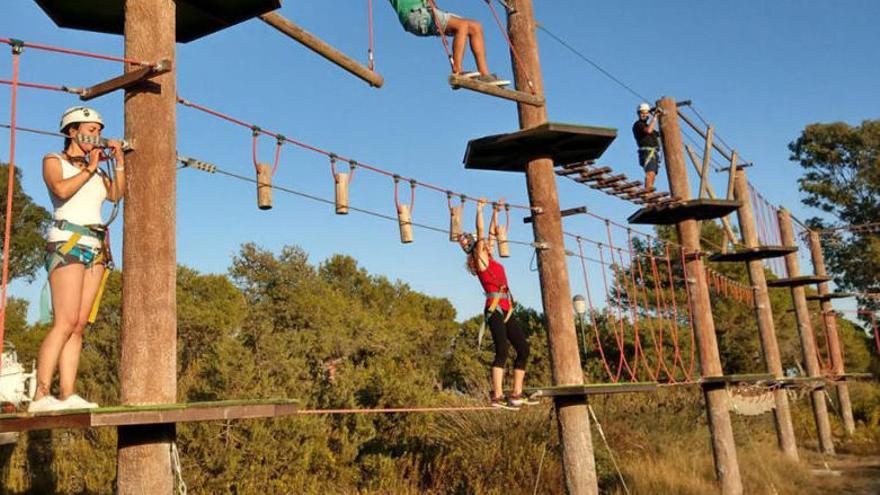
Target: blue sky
(759,71)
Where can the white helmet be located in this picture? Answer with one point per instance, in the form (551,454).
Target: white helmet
(79,115)
(644,107)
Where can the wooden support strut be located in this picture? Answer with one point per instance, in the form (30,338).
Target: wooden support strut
(764,317)
(323,49)
(125,81)
(837,366)
(717,410)
(728,231)
(806,335)
(572,416)
(457,81)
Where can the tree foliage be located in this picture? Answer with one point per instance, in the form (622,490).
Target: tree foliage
(841,166)
(29,224)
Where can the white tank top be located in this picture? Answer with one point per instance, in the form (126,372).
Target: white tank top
(83,208)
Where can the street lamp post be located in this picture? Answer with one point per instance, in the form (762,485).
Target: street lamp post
(580,309)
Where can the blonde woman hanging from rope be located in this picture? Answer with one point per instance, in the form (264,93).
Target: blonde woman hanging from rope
(76,249)
(498,310)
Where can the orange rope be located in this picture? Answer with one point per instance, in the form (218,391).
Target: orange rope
(10,181)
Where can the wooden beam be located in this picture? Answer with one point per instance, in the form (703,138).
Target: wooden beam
(148,340)
(572,416)
(125,81)
(323,49)
(563,213)
(717,411)
(728,230)
(707,155)
(457,82)
(592,389)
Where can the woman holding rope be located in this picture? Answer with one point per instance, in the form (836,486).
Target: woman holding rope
(498,310)
(77,250)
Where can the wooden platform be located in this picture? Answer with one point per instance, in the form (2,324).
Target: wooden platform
(812,382)
(563,143)
(152,414)
(829,296)
(592,389)
(458,82)
(849,376)
(693,209)
(798,281)
(725,380)
(755,253)
(195,18)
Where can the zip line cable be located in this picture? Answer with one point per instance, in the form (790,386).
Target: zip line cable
(594,64)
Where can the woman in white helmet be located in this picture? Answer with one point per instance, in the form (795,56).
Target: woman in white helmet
(75,249)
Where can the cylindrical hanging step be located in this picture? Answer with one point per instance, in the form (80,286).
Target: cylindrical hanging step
(404,218)
(404,211)
(455,222)
(264,186)
(503,247)
(341,179)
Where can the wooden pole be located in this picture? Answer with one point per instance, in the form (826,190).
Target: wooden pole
(837,366)
(805,332)
(148,356)
(320,47)
(707,157)
(764,315)
(572,417)
(723,446)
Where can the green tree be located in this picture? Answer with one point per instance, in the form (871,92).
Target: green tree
(842,177)
(29,224)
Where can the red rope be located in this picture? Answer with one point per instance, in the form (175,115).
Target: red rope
(412,194)
(633,370)
(655,328)
(79,53)
(324,152)
(370,23)
(10,181)
(394,410)
(621,361)
(513,49)
(690,306)
(442,34)
(63,89)
(876,336)
(592,312)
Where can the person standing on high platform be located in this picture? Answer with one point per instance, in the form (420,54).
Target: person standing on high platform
(76,249)
(648,141)
(420,17)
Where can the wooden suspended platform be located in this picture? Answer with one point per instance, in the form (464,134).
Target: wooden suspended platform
(194,18)
(614,185)
(795,382)
(798,281)
(458,82)
(591,389)
(829,296)
(150,414)
(755,253)
(562,143)
(679,211)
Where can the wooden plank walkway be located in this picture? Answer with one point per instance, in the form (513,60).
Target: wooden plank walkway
(592,389)
(149,414)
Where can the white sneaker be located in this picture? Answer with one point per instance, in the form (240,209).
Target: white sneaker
(76,402)
(45,404)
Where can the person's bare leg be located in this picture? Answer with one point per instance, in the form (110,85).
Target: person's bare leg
(649,179)
(69,359)
(66,284)
(497,381)
(458,28)
(478,46)
(519,377)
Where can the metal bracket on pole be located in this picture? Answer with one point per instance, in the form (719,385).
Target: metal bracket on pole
(541,245)
(564,213)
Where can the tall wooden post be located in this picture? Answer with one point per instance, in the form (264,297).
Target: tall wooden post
(764,315)
(571,412)
(723,446)
(837,367)
(148,359)
(805,332)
